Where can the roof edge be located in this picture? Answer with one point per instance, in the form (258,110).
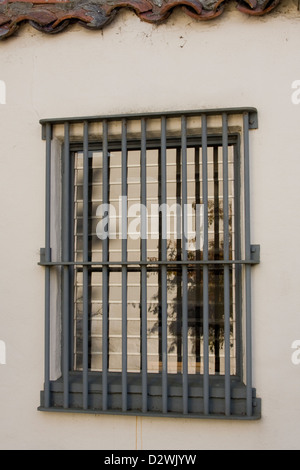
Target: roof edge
(54,16)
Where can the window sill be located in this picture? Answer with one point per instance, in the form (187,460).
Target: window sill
(196,401)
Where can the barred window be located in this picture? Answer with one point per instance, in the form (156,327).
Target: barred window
(153,265)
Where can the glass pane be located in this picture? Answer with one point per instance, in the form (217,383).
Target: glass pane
(153,321)
(133,322)
(115,322)
(195,237)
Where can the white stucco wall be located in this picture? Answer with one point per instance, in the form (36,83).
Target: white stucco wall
(132,66)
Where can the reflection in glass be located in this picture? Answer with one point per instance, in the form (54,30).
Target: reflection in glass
(195,238)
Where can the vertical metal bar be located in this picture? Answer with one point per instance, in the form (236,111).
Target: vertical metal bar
(47,397)
(248,266)
(85,268)
(144,267)
(159,292)
(184,267)
(216,271)
(89,251)
(164,293)
(179,258)
(105,258)
(124,267)
(205,269)
(237,253)
(66,270)
(198,313)
(226,266)
(72,271)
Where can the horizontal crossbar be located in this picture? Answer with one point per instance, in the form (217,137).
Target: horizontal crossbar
(146,263)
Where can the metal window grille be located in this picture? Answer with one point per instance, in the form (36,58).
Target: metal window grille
(155,304)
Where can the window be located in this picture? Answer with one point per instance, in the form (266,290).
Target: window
(148,265)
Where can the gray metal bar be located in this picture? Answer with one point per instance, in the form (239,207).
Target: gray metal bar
(164,292)
(184,268)
(217,251)
(105,275)
(189,113)
(144,267)
(226,267)
(66,257)
(72,272)
(179,257)
(124,267)
(198,258)
(237,254)
(205,269)
(149,263)
(47,394)
(248,267)
(85,268)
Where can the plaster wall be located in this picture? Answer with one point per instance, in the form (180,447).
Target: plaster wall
(132,66)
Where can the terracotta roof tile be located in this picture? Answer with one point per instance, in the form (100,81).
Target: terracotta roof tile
(53,16)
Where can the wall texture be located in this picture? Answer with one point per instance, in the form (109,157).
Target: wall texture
(133,66)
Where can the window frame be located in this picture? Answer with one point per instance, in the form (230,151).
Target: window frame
(213,396)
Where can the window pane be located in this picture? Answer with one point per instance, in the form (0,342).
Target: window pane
(194,234)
